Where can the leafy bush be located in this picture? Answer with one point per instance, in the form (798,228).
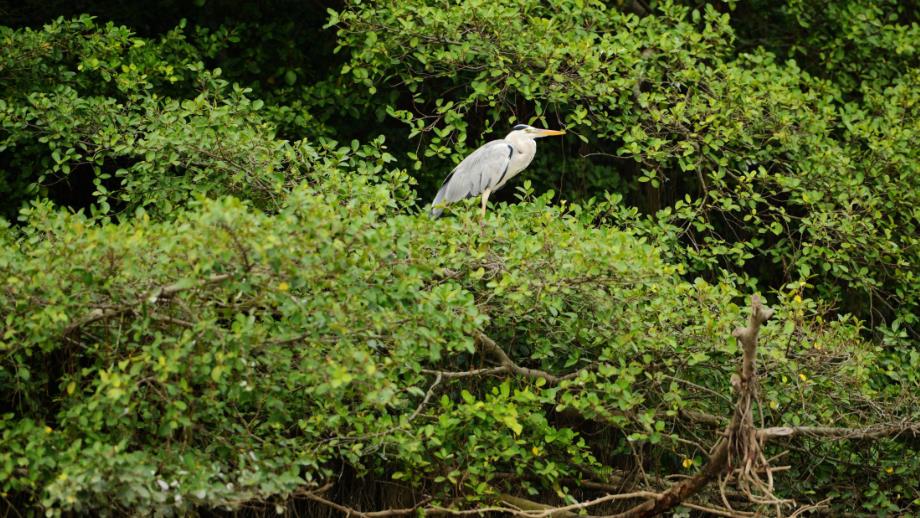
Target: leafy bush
(209,301)
(756,165)
(862,46)
(229,355)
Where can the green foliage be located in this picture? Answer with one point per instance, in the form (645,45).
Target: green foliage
(862,45)
(208,300)
(231,355)
(581,64)
(98,102)
(756,164)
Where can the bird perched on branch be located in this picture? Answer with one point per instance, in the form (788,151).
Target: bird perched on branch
(489,168)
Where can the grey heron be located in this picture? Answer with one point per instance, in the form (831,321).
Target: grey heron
(489,168)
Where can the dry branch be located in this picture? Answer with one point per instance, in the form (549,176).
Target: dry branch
(535,510)
(349,512)
(737,434)
(906,430)
(467,374)
(731,513)
(506,365)
(489,345)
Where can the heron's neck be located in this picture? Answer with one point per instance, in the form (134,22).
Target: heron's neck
(522,143)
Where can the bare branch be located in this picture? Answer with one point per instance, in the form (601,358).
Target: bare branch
(731,513)
(425,400)
(94,316)
(161,292)
(171,289)
(740,426)
(506,365)
(908,430)
(468,374)
(748,337)
(532,509)
(490,346)
(314,496)
(702,417)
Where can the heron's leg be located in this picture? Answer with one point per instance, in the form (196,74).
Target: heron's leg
(485,199)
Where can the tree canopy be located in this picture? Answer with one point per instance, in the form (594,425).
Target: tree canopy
(221,289)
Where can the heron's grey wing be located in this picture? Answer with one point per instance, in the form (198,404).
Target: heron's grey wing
(483,168)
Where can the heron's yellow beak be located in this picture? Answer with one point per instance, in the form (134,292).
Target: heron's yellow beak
(550,133)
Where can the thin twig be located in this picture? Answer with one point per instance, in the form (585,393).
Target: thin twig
(718,512)
(424,402)
(548,511)
(349,512)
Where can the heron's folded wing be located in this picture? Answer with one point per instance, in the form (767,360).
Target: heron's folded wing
(482,169)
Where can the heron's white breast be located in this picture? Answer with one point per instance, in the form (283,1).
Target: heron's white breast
(524,151)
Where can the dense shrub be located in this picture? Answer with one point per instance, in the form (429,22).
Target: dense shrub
(230,355)
(88,99)
(758,166)
(209,301)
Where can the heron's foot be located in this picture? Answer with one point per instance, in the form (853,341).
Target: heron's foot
(483,224)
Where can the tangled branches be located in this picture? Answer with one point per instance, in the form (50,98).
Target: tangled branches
(738,458)
(747,463)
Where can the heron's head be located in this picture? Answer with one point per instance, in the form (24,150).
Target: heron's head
(532,132)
